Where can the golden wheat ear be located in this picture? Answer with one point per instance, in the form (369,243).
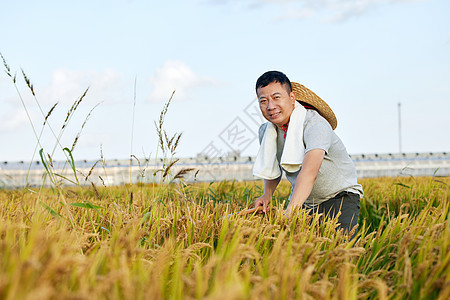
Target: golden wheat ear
(247,211)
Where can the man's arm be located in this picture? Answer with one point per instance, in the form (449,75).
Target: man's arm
(269,189)
(306,178)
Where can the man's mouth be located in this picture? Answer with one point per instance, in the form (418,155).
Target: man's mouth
(274,115)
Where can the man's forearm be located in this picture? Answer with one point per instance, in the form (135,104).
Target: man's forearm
(303,187)
(270,185)
(306,178)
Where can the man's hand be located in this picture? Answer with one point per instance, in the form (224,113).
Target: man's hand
(269,187)
(291,208)
(263,201)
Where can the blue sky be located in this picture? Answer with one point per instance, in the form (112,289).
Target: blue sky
(362,57)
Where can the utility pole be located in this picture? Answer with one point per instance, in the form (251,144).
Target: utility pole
(399,129)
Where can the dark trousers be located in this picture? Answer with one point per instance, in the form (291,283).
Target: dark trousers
(345,202)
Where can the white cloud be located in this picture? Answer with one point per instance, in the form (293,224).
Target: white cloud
(65,87)
(175,75)
(14,120)
(68,85)
(334,10)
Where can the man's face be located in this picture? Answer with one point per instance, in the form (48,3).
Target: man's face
(276,103)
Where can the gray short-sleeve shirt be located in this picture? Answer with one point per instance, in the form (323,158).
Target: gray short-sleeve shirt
(337,172)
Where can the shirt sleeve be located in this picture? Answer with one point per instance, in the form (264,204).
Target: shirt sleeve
(261,131)
(317,133)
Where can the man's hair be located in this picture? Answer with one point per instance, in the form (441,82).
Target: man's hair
(273,76)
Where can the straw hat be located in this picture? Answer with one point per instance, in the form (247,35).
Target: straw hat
(304,94)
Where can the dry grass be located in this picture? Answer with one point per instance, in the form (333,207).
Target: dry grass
(181,244)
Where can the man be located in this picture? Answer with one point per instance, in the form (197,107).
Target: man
(299,139)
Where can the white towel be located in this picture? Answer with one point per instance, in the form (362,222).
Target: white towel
(266,163)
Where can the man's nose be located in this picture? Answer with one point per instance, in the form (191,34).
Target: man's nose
(270,104)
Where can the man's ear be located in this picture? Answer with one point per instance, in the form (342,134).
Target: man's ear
(293,98)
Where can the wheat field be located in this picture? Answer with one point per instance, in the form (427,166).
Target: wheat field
(178,241)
